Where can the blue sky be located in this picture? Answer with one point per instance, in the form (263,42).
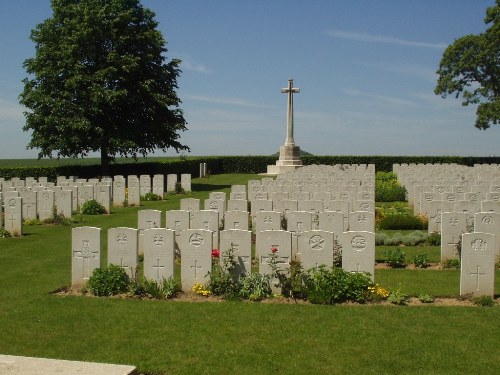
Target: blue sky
(366,71)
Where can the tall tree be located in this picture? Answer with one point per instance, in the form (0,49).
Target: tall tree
(100,81)
(471,67)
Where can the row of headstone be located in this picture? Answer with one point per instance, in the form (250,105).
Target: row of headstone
(315,248)
(463,204)
(40,199)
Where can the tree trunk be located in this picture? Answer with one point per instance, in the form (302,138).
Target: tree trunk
(104,162)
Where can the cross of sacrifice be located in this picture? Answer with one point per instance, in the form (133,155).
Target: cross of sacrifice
(290,90)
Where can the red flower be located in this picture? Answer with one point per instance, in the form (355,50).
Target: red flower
(274,250)
(215,253)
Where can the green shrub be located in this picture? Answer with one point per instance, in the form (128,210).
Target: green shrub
(4,233)
(92,207)
(108,281)
(402,222)
(170,287)
(486,301)
(255,287)
(395,258)
(451,263)
(426,298)
(331,286)
(57,219)
(398,297)
(434,239)
(420,260)
(151,197)
(388,189)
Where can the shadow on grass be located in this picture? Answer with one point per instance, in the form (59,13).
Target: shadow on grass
(209,187)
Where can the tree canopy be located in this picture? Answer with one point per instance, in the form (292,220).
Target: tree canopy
(100,81)
(470,67)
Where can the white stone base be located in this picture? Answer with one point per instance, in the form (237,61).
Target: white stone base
(289,160)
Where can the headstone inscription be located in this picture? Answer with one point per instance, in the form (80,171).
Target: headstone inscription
(477,266)
(279,243)
(13,216)
(240,243)
(45,204)
(316,248)
(358,252)
(122,249)
(159,185)
(159,253)
(85,253)
(196,257)
(29,199)
(453,225)
(64,202)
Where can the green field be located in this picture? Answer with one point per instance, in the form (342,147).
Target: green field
(174,337)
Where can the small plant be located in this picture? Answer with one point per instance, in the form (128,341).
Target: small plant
(92,207)
(337,253)
(485,301)
(170,287)
(222,279)
(426,298)
(151,197)
(288,279)
(4,233)
(32,222)
(57,219)
(451,263)
(420,261)
(108,281)
(179,189)
(395,258)
(398,297)
(377,294)
(434,239)
(199,289)
(334,285)
(256,287)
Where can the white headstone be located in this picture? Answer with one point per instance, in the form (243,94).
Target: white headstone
(118,191)
(171,182)
(274,239)
(122,249)
(13,216)
(29,199)
(316,248)
(159,185)
(186,182)
(190,204)
(358,252)
(159,253)
(177,220)
(85,253)
(45,204)
(477,267)
(103,196)
(207,220)
(196,257)
(133,191)
(240,241)
(64,202)
(236,220)
(453,225)
(144,184)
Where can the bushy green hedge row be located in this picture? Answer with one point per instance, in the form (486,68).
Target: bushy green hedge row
(229,164)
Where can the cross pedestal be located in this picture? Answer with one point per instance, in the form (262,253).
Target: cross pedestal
(289,159)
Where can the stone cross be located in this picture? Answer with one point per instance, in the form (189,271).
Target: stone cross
(290,90)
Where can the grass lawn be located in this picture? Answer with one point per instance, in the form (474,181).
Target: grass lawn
(174,337)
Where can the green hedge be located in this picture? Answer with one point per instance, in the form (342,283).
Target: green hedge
(228,164)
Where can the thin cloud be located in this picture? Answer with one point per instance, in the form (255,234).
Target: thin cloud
(413,70)
(370,38)
(226,101)
(10,111)
(386,99)
(189,63)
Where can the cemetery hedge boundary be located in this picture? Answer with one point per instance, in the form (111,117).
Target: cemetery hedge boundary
(228,165)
